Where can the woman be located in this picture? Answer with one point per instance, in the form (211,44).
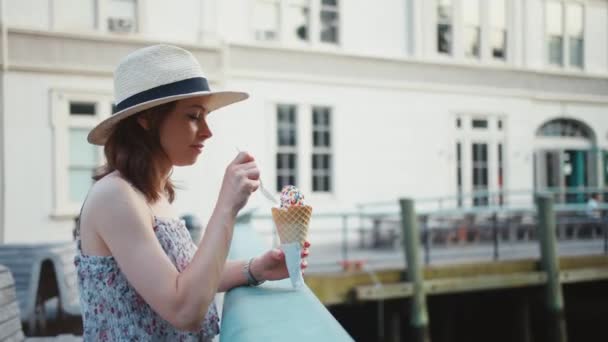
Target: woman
(140,275)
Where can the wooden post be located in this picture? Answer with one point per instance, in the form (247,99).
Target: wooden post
(550,264)
(411,239)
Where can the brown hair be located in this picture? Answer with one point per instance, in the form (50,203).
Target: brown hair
(136,153)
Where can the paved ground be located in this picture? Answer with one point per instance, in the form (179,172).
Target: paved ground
(326,257)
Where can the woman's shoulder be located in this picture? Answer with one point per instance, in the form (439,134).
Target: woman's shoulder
(113,194)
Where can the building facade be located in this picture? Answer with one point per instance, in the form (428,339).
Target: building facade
(353,102)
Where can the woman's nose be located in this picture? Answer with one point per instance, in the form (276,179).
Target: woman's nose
(204,131)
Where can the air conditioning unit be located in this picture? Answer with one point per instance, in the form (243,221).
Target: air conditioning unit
(121,25)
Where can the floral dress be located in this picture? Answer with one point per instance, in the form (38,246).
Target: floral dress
(113,311)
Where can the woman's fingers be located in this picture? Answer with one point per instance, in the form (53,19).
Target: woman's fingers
(306,244)
(304,264)
(304,253)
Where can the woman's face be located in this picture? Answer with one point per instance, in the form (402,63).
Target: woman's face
(184,131)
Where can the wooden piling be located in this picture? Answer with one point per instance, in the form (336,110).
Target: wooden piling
(550,264)
(411,242)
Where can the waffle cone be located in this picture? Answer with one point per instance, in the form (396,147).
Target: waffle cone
(292,223)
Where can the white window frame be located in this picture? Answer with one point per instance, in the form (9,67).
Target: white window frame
(486,28)
(101,18)
(255,29)
(323,150)
(565,36)
(281,149)
(466,135)
(304,149)
(314,27)
(63,207)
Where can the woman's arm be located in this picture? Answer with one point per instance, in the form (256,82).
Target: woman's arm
(268,266)
(117,214)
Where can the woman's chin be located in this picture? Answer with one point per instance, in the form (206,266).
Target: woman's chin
(186,162)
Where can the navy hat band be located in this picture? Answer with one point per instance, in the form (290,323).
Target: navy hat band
(187,86)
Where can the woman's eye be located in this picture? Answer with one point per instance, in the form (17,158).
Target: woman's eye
(195,117)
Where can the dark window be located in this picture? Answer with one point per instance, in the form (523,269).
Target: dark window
(479,123)
(82,108)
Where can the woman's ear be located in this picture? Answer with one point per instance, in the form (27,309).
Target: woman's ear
(143,121)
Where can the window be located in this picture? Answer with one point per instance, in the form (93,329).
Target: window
(480,174)
(498,22)
(575,33)
(553,23)
(564,25)
(479,160)
(122,16)
(564,128)
(115,16)
(287,158)
(294,22)
(321,155)
(479,123)
(329,21)
(444,26)
(266,20)
(75,159)
(64,18)
(298,20)
(472,34)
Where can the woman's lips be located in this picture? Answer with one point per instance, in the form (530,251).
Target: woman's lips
(197,147)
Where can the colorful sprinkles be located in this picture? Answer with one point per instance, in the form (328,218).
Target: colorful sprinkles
(291,197)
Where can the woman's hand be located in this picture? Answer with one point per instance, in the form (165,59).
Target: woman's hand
(271,265)
(241,179)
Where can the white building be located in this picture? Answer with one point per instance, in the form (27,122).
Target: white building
(353,101)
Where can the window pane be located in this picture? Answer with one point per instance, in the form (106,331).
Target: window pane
(86,18)
(330,2)
(471,12)
(82,108)
(329,26)
(479,123)
(266,20)
(555,48)
(575,20)
(297,19)
(444,38)
(326,140)
(122,15)
(81,152)
(471,40)
(553,18)
(444,11)
(122,8)
(576,52)
(499,44)
(79,182)
(498,14)
(292,161)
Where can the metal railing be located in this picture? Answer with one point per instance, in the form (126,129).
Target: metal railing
(372,233)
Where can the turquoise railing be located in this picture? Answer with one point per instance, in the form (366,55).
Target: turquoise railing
(273,311)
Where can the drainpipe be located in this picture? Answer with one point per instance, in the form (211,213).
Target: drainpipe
(4,61)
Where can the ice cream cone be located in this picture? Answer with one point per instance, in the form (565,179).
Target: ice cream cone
(292,223)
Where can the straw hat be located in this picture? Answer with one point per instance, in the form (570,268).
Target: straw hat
(155,75)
